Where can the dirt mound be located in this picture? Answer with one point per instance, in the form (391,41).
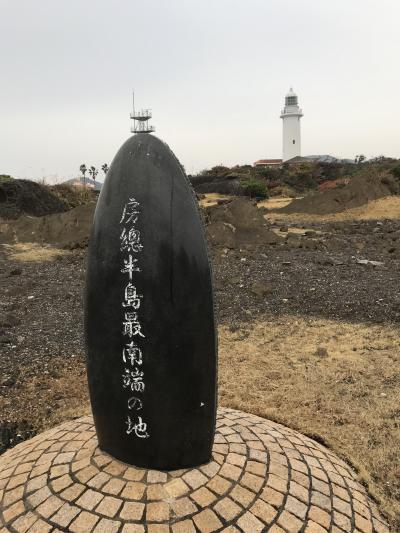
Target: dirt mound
(74,196)
(238,224)
(361,190)
(18,197)
(67,230)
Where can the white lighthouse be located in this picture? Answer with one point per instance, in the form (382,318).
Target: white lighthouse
(291,115)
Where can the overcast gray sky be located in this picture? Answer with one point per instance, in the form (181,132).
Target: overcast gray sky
(215,73)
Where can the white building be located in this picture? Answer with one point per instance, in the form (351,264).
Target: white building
(291,115)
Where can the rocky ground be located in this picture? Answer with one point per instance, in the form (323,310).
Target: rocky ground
(343,270)
(330,286)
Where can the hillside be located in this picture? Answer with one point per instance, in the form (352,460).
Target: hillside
(298,179)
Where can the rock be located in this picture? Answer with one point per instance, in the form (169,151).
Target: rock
(335,244)
(332,261)
(15,272)
(9,382)
(9,320)
(321,352)
(368,262)
(222,201)
(311,244)
(58,396)
(284,229)
(293,240)
(261,289)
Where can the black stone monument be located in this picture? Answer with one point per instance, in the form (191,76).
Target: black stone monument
(149,317)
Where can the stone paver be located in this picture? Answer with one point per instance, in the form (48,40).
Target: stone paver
(107,526)
(109,506)
(203,497)
(250,524)
(263,477)
(227,509)
(84,522)
(132,511)
(157,512)
(65,515)
(207,521)
(24,522)
(183,507)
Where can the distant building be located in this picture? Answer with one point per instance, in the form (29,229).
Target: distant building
(291,115)
(268,163)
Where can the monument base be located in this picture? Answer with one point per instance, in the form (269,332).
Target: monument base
(263,477)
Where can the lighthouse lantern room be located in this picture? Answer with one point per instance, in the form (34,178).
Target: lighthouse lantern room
(291,115)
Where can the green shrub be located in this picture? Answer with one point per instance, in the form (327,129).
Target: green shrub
(255,189)
(396,172)
(5,177)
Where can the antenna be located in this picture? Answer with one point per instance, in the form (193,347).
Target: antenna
(141,119)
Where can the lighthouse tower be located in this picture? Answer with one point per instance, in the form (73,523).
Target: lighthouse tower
(291,115)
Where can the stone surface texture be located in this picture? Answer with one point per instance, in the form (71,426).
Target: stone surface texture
(263,477)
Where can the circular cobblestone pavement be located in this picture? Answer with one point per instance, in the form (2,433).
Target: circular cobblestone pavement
(263,477)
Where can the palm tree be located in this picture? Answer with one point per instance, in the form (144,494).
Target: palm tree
(105,168)
(93,172)
(83,170)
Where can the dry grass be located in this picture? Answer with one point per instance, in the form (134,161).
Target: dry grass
(27,252)
(212,198)
(64,399)
(348,399)
(275,202)
(48,398)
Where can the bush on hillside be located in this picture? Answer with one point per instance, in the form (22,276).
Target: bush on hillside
(255,189)
(396,172)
